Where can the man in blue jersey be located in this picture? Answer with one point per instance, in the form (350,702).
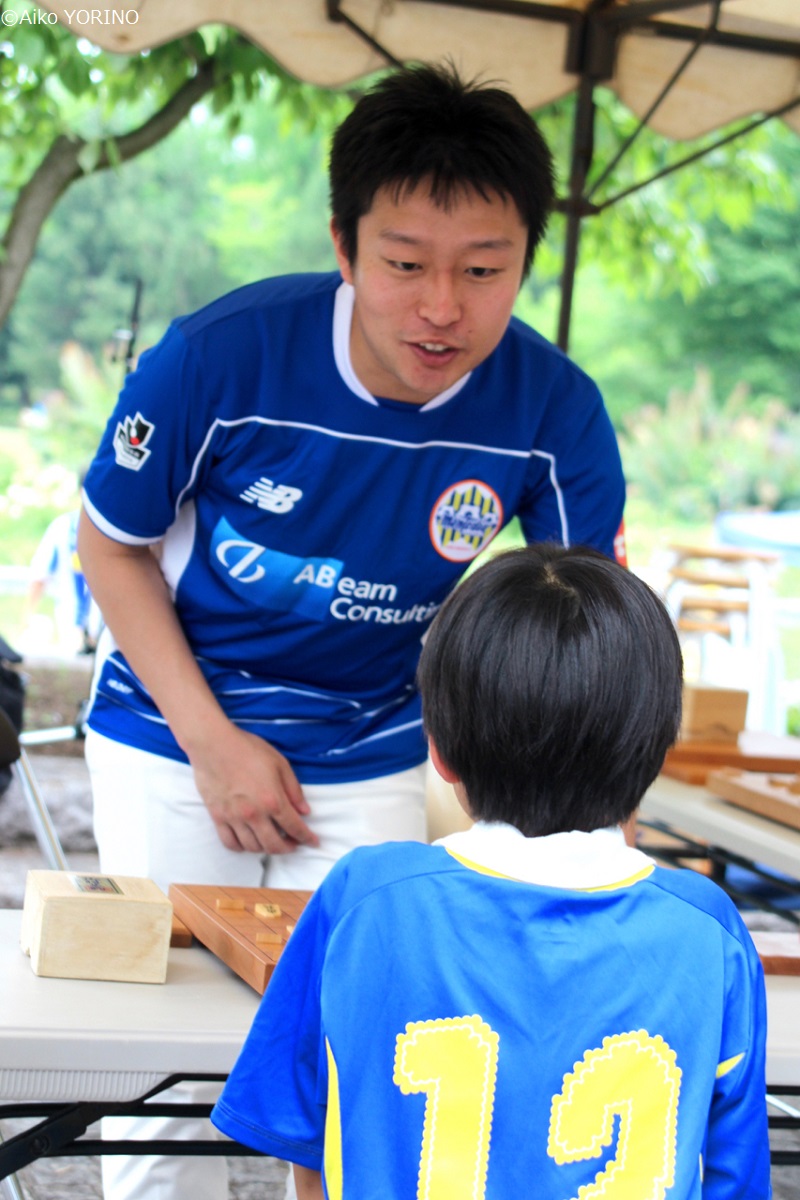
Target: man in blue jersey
(318,459)
(531,1007)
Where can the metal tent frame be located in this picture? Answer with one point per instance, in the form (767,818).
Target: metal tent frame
(593,39)
(683,67)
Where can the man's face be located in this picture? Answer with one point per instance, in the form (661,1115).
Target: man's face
(434,289)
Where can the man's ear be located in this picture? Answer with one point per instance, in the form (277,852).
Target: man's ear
(342,260)
(447,774)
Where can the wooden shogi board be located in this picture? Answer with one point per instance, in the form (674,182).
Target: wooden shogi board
(779,952)
(247,928)
(692,762)
(770,795)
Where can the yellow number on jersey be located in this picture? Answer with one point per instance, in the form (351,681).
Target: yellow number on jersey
(454,1062)
(636,1077)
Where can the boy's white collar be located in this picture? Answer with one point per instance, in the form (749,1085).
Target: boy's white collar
(572,860)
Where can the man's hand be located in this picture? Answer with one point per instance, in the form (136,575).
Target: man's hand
(251,791)
(252,794)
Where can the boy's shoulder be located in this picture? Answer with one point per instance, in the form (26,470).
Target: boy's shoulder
(703,897)
(370,869)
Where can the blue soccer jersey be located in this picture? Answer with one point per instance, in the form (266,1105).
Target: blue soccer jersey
(311,532)
(439,1030)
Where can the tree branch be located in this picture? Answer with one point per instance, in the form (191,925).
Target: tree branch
(60,167)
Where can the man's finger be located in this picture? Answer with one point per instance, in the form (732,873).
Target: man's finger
(265,839)
(227,836)
(294,827)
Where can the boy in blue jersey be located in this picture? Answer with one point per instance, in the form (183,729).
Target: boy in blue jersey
(531,1007)
(318,459)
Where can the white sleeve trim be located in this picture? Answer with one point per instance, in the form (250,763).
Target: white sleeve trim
(111,531)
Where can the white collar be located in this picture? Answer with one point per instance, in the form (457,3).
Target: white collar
(342,322)
(574,860)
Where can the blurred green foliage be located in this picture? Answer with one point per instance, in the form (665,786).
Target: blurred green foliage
(686,297)
(697,455)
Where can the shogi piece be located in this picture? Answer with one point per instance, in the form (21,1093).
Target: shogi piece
(77,926)
(712,714)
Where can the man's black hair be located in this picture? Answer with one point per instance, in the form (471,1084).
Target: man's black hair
(551,685)
(424,124)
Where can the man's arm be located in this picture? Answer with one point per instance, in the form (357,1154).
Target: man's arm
(250,790)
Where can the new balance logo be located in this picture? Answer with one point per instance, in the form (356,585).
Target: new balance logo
(272,497)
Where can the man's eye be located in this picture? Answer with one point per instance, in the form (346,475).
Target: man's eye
(481,272)
(405,267)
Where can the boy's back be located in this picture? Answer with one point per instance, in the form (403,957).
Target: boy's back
(478,1035)
(532,1007)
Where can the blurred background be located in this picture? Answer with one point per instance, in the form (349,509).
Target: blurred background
(685,307)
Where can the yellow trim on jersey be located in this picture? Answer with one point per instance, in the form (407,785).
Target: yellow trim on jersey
(332,1155)
(728,1065)
(604,887)
(629,882)
(473,866)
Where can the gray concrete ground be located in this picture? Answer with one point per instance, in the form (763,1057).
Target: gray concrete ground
(64,784)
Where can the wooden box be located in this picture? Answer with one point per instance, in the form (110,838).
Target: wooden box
(77,926)
(712,714)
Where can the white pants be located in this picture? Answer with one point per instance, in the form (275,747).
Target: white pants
(149,820)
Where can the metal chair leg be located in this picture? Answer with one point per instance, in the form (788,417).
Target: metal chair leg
(43,827)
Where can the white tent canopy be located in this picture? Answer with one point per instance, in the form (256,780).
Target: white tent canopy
(684,68)
(749,63)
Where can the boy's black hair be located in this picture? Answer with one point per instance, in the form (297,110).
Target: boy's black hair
(423,123)
(551,685)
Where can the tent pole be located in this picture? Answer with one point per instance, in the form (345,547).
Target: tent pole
(581,161)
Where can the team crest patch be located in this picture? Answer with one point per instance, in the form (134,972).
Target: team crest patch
(130,442)
(464,520)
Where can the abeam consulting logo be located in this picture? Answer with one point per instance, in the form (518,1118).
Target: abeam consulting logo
(130,442)
(464,520)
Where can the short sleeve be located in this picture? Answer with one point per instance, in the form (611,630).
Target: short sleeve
(575,492)
(146,464)
(274,1099)
(736,1159)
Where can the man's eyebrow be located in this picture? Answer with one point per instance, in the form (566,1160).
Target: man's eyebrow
(406,239)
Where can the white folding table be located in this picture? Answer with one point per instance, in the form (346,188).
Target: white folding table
(697,811)
(727,835)
(74,1049)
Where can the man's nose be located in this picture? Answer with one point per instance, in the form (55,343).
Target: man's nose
(440,303)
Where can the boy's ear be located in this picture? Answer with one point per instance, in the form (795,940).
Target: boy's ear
(447,774)
(342,260)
